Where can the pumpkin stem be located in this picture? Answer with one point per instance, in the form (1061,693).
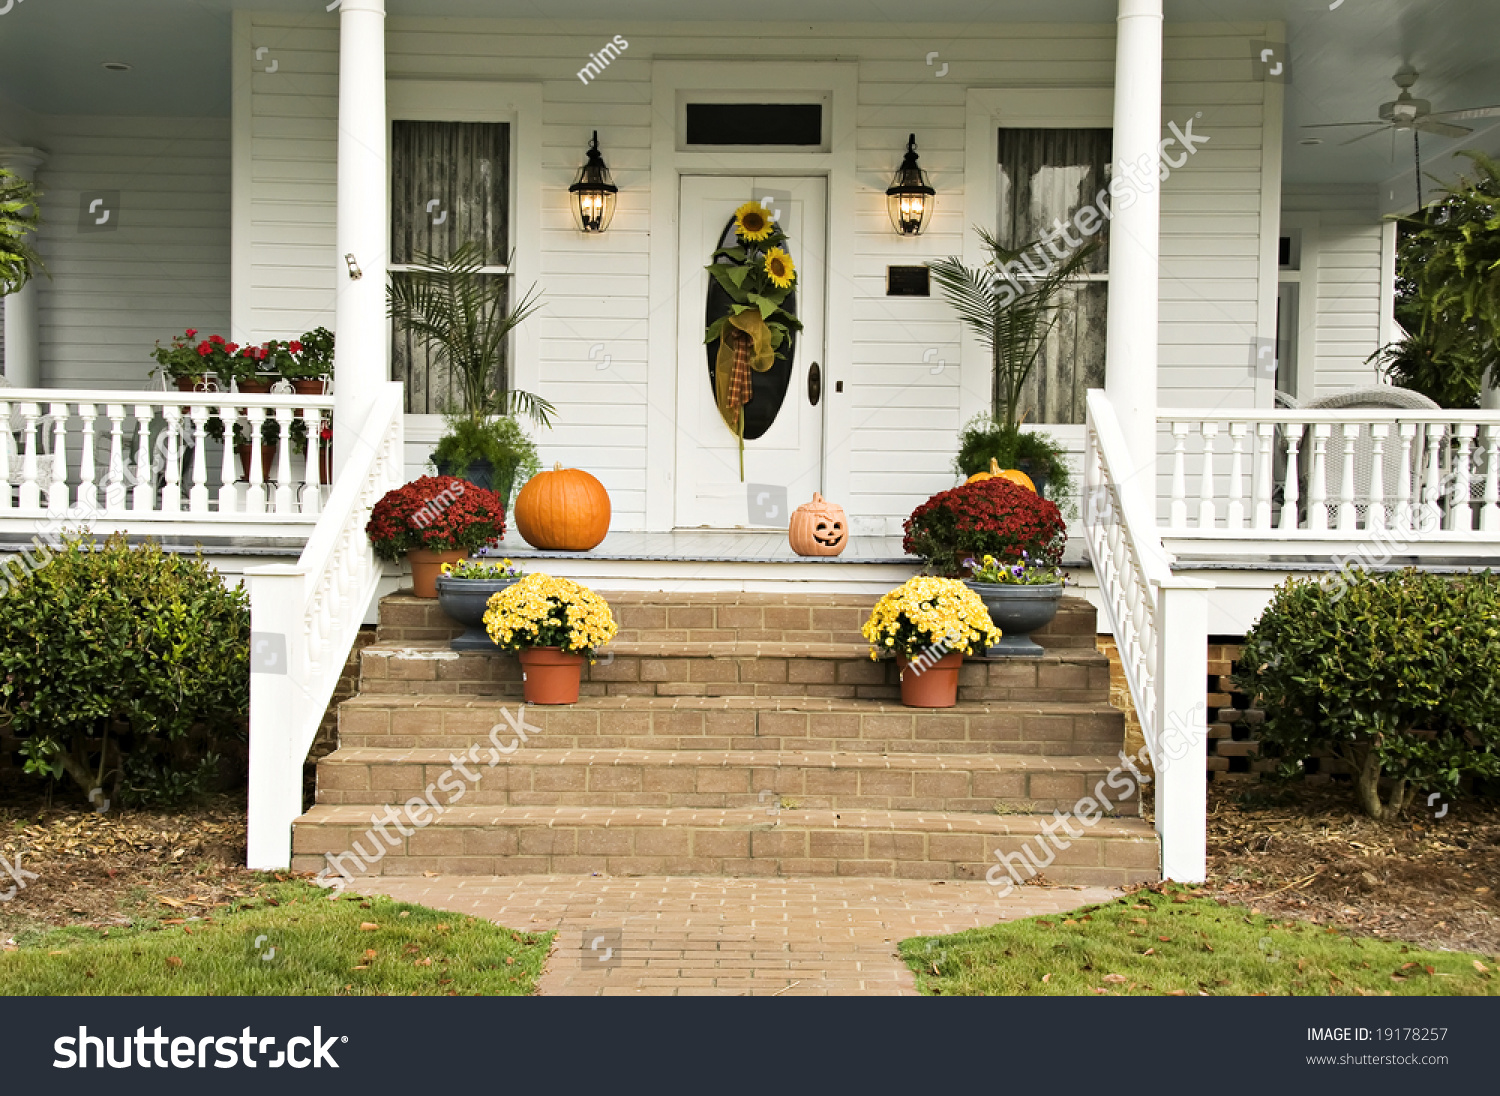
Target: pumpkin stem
(558,466)
(994,467)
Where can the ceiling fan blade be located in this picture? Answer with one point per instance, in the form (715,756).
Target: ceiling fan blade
(1442,129)
(1472,112)
(1340,125)
(1363,137)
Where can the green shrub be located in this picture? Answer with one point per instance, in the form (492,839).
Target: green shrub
(983,440)
(125,669)
(1395,673)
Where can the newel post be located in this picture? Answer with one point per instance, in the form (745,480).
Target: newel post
(277,657)
(1182,746)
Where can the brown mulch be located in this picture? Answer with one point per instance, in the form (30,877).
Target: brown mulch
(121,866)
(1307,852)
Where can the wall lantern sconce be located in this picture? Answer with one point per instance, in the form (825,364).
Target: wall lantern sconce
(593,195)
(910,197)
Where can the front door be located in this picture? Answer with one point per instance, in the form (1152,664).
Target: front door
(784,465)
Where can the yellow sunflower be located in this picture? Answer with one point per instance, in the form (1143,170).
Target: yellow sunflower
(779,268)
(752,221)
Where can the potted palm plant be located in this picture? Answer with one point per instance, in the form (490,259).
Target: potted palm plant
(552,624)
(929,624)
(1011,317)
(461,315)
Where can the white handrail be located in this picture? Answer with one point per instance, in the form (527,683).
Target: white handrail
(304,618)
(1160,625)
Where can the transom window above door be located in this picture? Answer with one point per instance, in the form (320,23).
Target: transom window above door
(450,185)
(1044,177)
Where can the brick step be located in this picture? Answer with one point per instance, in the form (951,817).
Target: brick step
(773,781)
(478,840)
(733,669)
(653,617)
(826,724)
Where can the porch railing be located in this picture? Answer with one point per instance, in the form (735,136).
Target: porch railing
(1160,625)
(1298,476)
(304,618)
(214,457)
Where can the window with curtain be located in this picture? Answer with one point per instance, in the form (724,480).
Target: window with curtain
(450,184)
(1045,176)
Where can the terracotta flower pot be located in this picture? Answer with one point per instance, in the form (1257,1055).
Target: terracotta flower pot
(267,461)
(305,386)
(254,386)
(190,384)
(926,683)
(427,566)
(550,675)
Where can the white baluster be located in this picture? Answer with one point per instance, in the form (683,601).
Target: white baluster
(5,452)
(1489,521)
(255,492)
(1265,439)
(285,495)
(229,491)
(198,493)
(1317,488)
(1291,493)
(171,492)
(1461,516)
(1432,489)
(143,494)
(31,491)
(114,482)
(57,490)
(88,491)
(1207,508)
(1405,476)
(1235,516)
(1375,516)
(1347,511)
(1179,475)
(312,497)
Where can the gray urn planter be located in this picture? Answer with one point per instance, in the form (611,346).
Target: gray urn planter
(465,599)
(1018,611)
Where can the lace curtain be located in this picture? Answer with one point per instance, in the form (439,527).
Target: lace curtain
(1043,176)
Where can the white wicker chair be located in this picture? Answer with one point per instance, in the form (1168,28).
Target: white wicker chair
(1376,396)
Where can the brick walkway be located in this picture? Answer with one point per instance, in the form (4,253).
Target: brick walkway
(621,936)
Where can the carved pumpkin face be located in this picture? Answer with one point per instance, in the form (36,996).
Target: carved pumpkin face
(818,528)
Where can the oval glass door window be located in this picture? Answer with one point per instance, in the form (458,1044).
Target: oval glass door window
(768,389)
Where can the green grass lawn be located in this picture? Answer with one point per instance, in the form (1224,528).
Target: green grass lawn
(1172,943)
(289,940)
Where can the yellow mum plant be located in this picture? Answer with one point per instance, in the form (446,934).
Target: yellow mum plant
(926,611)
(545,611)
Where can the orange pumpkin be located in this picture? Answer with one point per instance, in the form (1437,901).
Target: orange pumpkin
(818,528)
(563,510)
(1015,475)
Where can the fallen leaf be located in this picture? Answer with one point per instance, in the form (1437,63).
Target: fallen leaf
(430,874)
(172,902)
(1139,921)
(1480,967)
(1046,978)
(173,961)
(1115,978)
(423,962)
(1176,993)
(510,960)
(369,953)
(404,913)
(1149,951)
(1165,939)
(368,926)
(362,966)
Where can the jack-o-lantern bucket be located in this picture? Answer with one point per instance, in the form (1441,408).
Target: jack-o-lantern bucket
(818,528)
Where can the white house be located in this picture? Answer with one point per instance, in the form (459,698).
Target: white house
(258,168)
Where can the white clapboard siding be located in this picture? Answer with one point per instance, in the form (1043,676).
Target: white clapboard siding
(904,409)
(112,295)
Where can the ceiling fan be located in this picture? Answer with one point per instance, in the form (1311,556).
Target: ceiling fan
(1405,113)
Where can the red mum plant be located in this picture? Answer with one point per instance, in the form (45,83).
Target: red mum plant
(436,513)
(991,517)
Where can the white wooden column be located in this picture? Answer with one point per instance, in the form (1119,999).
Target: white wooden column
(22,327)
(363,225)
(1134,248)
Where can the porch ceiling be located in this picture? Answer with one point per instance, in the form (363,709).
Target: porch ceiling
(1342,59)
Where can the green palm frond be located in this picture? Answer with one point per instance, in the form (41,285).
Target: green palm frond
(460,314)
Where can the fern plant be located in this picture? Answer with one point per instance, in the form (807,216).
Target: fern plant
(18,219)
(460,314)
(1010,309)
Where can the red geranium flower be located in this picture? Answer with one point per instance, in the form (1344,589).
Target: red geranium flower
(294,346)
(216,339)
(205,349)
(191,332)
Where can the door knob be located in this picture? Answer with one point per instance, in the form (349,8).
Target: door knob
(814,384)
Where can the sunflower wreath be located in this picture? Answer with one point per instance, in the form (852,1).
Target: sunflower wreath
(758,274)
